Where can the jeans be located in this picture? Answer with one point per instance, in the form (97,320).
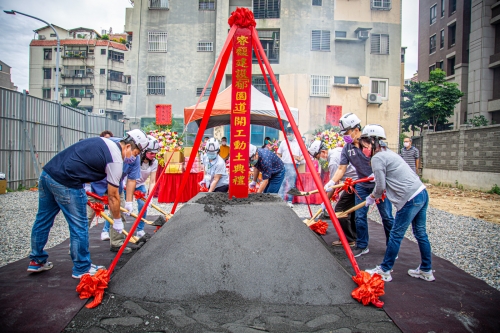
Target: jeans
(52,198)
(385,210)
(274,184)
(414,212)
(140,204)
(289,181)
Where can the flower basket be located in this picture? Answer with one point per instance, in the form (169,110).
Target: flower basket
(169,141)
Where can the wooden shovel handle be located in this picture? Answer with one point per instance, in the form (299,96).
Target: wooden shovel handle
(350,210)
(311,220)
(135,215)
(133,239)
(168,215)
(333,187)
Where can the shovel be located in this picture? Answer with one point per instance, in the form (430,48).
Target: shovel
(140,196)
(339,215)
(295,192)
(100,212)
(160,221)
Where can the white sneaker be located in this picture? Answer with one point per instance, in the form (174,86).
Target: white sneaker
(289,203)
(93,269)
(417,273)
(104,236)
(140,233)
(386,276)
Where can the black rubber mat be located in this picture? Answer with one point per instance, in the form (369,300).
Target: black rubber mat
(455,302)
(47,301)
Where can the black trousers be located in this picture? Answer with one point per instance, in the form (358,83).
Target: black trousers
(348,223)
(224,188)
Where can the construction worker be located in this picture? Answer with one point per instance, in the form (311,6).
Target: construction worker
(270,165)
(216,178)
(60,188)
(408,194)
(352,153)
(131,169)
(318,150)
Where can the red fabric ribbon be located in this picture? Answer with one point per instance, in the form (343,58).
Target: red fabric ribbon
(97,207)
(253,190)
(138,195)
(319,227)
(93,286)
(242,17)
(104,198)
(203,189)
(371,287)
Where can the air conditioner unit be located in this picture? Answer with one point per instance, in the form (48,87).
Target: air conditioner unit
(363,34)
(79,75)
(102,111)
(41,37)
(374,99)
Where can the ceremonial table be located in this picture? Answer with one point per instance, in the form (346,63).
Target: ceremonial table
(309,185)
(170,182)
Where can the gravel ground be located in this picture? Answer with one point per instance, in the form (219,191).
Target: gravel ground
(469,243)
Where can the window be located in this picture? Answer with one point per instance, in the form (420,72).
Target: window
(453,6)
(451,66)
(158,4)
(101,91)
(317,2)
(353,80)
(103,51)
(452,31)
(156,85)
(74,71)
(340,34)
(379,44)
(320,40)
(116,56)
(379,86)
(381,4)
(157,41)
(114,96)
(442,8)
(1,67)
(320,86)
(200,90)
(47,74)
(205,46)
(47,54)
(46,93)
(75,52)
(440,65)
(270,40)
(260,84)
(432,44)
(431,68)
(441,39)
(206,5)
(263,9)
(74,92)
(339,79)
(433,14)
(116,76)
(102,71)
(53,35)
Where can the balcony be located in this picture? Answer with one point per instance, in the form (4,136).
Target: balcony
(88,95)
(70,54)
(158,4)
(495,13)
(494,60)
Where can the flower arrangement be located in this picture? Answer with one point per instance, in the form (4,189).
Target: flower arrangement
(273,145)
(168,140)
(331,138)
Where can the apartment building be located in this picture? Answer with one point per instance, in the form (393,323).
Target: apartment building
(5,77)
(330,57)
(443,38)
(484,61)
(91,69)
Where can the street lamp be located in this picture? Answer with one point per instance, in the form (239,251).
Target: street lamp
(14,12)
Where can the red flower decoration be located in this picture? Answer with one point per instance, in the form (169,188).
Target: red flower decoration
(242,17)
(371,287)
(319,227)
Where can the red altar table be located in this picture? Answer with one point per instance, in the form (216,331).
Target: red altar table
(308,182)
(167,190)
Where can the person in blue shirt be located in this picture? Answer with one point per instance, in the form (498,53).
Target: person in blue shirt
(132,171)
(270,165)
(60,188)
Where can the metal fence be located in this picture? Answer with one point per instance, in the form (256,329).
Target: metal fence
(33,130)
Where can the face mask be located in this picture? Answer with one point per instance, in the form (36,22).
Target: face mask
(321,159)
(289,137)
(130,159)
(367,152)
(223,143)
(406,144)
(253,162)
(212,156)
(348,139)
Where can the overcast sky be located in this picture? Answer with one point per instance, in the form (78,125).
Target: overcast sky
(17,30)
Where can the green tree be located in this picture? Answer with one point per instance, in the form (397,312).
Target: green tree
(105,37)
(478,121)
(74,104)
(430,101)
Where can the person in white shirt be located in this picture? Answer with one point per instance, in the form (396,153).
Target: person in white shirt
(289,161)
(216,178)
(149,166)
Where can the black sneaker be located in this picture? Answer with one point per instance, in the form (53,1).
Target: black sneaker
(117,248)
(359,251)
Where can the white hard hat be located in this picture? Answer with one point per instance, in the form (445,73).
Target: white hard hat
(212,145)
(139,137)
(153,145)
(373,131)
(252,151)
(316,147)
(348,121)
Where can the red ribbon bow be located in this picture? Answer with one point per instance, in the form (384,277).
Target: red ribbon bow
(138,195)
(371,287)
(319,227)
(203,189)
(242,17)
(93,286)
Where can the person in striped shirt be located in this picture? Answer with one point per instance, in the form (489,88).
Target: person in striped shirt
(410,154)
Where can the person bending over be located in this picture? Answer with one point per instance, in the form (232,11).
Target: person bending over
(270,165)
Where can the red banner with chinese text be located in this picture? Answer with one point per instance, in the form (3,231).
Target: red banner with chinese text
(240,113)
(333,114)
(163,114)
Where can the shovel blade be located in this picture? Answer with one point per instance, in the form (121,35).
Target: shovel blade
(160,221)
(295,192)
